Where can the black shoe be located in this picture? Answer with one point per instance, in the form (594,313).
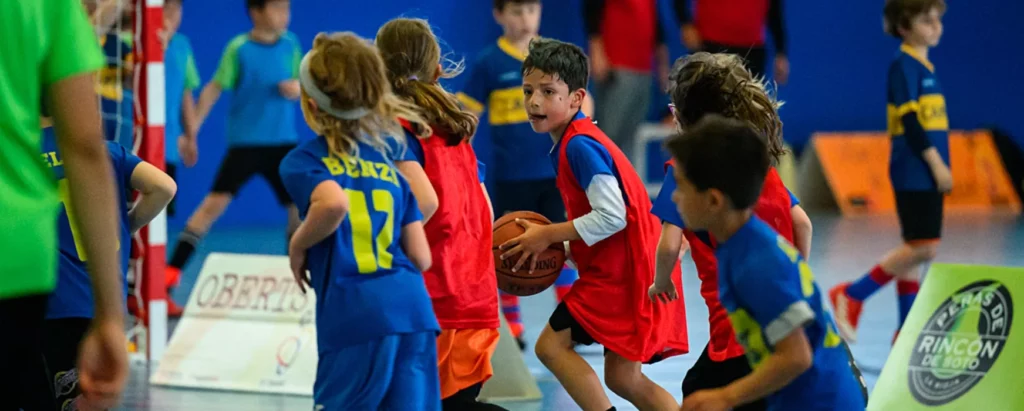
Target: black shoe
(522,343)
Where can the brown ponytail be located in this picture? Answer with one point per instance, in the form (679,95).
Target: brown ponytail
(412,56)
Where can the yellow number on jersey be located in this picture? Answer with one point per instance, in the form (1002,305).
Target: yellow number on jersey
(65,200)
(367,260)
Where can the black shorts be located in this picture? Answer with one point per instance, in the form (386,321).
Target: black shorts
(708,374)
(561,319)
(63,337)
(24,379)
(172,170)
(920,214)
(539,196)
(242,163)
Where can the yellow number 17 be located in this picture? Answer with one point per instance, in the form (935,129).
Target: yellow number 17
(367,260)
(65,199)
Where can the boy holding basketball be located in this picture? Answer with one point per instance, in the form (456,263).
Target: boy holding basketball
(609,231)
(776,309)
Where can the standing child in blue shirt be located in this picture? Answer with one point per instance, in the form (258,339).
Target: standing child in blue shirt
(918,165)
(260,69)
(524,177)
(70,306)
(361,238)
(775,307)
(182,78)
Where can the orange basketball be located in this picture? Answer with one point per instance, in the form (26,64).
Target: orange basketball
(523,282)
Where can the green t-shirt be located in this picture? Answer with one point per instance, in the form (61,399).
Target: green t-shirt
(45,41)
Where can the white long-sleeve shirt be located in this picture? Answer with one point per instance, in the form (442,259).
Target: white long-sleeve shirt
(594,170)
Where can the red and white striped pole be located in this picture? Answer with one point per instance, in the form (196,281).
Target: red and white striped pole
(150,108)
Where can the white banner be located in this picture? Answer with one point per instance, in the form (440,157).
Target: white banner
(246,327)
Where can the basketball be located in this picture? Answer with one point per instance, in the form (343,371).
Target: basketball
(523,282)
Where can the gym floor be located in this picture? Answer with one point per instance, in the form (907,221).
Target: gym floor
(842,250)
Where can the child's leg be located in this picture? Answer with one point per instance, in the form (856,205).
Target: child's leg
(359,376)
(555,351)
(465,400)
(625,379)
(510,309)
(415,385)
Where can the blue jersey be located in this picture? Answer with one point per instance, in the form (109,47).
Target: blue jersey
(914,88)
(73,295)
(769,291)
(365,285)
(113,87)
(180,77)
(495,85)
(666,210)
(413,151)
(587,159)
(259,115)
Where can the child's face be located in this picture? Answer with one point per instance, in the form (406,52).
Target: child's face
(925,29)
(274,16)
(172,17)
(519,20)
(696,207)
(549,103)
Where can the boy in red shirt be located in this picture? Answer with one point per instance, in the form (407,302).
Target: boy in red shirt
(610,232)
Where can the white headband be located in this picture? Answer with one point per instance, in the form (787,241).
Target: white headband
(322,101)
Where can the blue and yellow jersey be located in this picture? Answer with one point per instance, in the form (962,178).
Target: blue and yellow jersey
(914,88)
(366,287)
(769,292)
(180,77)
(114,87)
(73,296)
(495,85)
(259,115)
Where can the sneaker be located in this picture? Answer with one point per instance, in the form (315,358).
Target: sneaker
(522,343)
(847,311)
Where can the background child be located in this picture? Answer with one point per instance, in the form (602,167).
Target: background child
(524,177)
(181,78)
(702,84)
(918,165)
(260,69)
(70,307)
(773,302)
(609,233)
(462,287)
(361,237)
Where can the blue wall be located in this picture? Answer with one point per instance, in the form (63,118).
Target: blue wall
(838,52)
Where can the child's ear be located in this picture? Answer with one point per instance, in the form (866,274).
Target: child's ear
(577,97)
(312,104)
(438,72)
(716,200)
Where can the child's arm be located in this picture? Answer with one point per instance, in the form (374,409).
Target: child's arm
(802,230)
(421,187)
(490,205)
(592,165)
(792,357)
(89,174)
(670,246)
(188,146)
(328,206)
(209,97)
(414,243)
(156,190)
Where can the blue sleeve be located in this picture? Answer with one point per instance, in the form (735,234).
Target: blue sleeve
(411,151)
(588,158)
(301,172)
(124,163)
(474,93)
(412,207)
(481,171)
(768,287)
(793,201)
(663,207)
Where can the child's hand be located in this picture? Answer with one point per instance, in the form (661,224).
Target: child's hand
(290,89)
(532,242)
(664,291)
(943,178)
(188,150)
(707,400)
(297,261)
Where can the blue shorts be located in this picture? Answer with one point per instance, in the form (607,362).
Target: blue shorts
(396,372)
